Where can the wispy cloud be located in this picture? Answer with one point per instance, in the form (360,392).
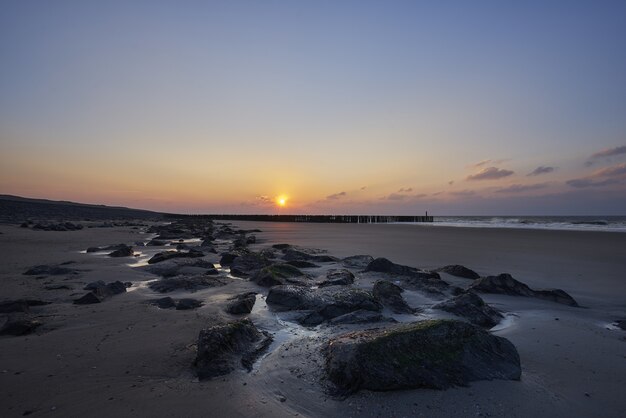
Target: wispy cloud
(403,196)
(485,162)
(542,170)
(519,188)
(451,182)
(405,190)
(603,177)
(336,196)
(490,173)
(609,152)
(364,187)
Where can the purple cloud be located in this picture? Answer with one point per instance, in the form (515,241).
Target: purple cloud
(336,196)
(609,152)
(490,173)
(541,170)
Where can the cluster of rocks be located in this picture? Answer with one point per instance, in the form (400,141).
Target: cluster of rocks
(117,250)
(18,321)
(51,270)
(190,283)
(61,226)
(100,291)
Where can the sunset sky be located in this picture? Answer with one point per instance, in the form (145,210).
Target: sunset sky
(386,107)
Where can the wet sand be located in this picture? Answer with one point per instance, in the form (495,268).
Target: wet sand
(123,357)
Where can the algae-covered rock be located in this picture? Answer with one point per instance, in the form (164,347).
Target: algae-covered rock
(429,354)
(223,348)
(460,271)
(276,274)
(338,277)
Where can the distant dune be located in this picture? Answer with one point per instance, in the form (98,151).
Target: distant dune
(19,209)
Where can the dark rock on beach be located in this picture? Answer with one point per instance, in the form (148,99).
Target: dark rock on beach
(357,317)
(179,266)
(390,295)
(163,303)
(20,305)
(19,327)
(187,304)
(429,354)
(248,264)
(460,271)
(168,255)
(471,307)
(338,277)
(124,251)
(62,226)
(224,348)
(99,291)
(301,264)
(323,304)
(357,261)
(242,303)
(189,283)
(505,284)
(87,299)
(180,304)
(276,274)
(51,270)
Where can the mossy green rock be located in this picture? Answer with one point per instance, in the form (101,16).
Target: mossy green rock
(430,354)
(276,274)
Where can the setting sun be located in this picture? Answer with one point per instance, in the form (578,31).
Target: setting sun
(281,201)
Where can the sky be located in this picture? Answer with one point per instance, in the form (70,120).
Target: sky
(369,107)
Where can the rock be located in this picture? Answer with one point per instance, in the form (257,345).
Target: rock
(357,317)
(291,254)
(242,303)
(95,285)
(248,265)
(276,274)
(324,304)
(390,295)
(114,247)
(501,284)
(223,348)
(52,270)
(281,246)
(338,277)
(189,283)
(58,287)
(251,239)
(357,261)
(163,303)
(505,284)
(179,266)
(324,258)
(62,226)
(156,243)
(187,303)
(621,324)
(228,258)
(168,255)
(429,354)
(556,295)
(19,327)
(301,264)
(471,307)
(20,305)
(460,271)
(88,299)
(122,252)
(426,281)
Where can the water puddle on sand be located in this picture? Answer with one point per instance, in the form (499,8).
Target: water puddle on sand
(282,331)
(143,285)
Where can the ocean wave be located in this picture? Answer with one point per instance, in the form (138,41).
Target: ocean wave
(612,224)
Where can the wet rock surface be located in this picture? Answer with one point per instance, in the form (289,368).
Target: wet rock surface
(276,274)
(224,348)
(429,354)
(390,295)
(505,284)
(19,327)
(248,264)
(124,251)
(168,255)
(338,277)
(99,291)
(460,271)
(423,280)
(50,270)
(20,305)
(242,303)
(189,283)
(471,307)
(357,261)
(321,304)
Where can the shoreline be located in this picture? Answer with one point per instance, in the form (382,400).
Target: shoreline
(122,356)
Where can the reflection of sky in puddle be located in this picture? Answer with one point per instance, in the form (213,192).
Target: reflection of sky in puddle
(140,285)
(282,331)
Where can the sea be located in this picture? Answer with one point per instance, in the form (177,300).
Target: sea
(572,223)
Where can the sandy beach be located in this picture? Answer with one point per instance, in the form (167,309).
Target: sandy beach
(124,357)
